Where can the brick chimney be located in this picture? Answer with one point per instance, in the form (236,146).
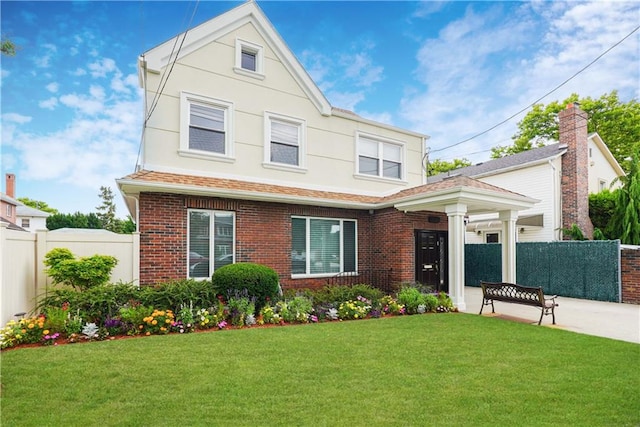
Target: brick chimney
(575,169)
(10,180)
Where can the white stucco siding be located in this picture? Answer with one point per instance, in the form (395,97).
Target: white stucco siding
(540,182)
(330,145)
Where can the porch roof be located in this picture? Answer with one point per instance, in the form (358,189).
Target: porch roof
(479,197)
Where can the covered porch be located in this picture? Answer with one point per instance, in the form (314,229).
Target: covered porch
(459,197)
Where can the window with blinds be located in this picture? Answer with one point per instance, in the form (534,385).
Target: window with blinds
(379,158)
(206,128)
(285,143)
(323,246)
(211,242)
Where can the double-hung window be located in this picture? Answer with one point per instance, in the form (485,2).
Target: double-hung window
(321,246)
(211,241)
(380,158)
(285,140)
(205,126)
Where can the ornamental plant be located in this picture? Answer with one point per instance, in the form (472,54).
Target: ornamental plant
(299,309)
(354,309)
(411,298)
(388,305)
(159,322)
(81,274)
(259,281)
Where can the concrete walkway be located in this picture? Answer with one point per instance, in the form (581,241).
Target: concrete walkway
(603,319)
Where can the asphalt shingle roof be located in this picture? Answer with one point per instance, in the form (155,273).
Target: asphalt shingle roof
(504,163)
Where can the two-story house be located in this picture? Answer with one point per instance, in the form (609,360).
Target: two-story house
(244,160)
(560,175)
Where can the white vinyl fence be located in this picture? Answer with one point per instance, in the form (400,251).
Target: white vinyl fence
(22,271)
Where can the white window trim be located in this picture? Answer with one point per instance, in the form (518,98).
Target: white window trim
(186,99)
(381,141)
(308,244)
(253,48)
(212,242)
(302,142)
(498,232)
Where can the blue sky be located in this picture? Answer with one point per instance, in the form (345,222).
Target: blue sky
(72,110)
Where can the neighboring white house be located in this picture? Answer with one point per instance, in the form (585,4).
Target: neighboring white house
(244,160)
(31,219)
(538,173)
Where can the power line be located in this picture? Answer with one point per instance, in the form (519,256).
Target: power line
(161,84)
(542,97)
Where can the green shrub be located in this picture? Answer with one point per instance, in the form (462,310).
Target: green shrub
(299,309)
(177,294)
(259,281)
(411,298)
(432,302)
(337,294)
(94,304)
(83,273)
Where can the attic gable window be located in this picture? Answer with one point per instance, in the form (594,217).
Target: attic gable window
(249,59)
(285,141)
(380,158)
(205,126)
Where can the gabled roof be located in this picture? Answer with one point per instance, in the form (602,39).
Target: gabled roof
(209,31)
(504,164)
(24,210)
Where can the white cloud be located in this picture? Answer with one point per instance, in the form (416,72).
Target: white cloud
(486,66)
(91,104)
(16,118)
(44,60)
(102,67)
(78,72)
(49,104)
(360,69)
(53,87)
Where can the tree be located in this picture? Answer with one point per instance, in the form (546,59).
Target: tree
(37,204)
(76,220)
(616,122)
(438,166)
(7,47)
(107,210)
(625,221)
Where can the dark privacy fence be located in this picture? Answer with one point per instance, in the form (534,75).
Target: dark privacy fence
(588,269)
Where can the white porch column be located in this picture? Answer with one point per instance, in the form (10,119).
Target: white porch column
(455,213)
(509,231)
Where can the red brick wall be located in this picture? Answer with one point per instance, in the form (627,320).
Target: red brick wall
(575,170)
(263,235)
(630,261)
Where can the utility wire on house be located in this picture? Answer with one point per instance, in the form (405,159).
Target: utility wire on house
(542,97)
(163,82)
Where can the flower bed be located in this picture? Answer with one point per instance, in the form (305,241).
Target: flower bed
(62,323)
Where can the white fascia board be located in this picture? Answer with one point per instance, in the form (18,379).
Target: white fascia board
(209,31)
(471,196)
(597,140)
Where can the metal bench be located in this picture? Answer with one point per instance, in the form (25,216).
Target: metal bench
(510,292)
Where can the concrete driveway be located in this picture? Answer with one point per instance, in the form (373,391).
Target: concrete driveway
(603,319)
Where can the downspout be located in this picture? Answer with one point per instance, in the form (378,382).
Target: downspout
(554,202)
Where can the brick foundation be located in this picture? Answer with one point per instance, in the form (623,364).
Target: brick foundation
(263,235)
(630,263)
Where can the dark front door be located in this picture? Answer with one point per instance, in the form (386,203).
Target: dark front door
(431,259)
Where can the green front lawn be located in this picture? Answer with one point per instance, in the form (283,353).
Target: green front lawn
(433,369)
